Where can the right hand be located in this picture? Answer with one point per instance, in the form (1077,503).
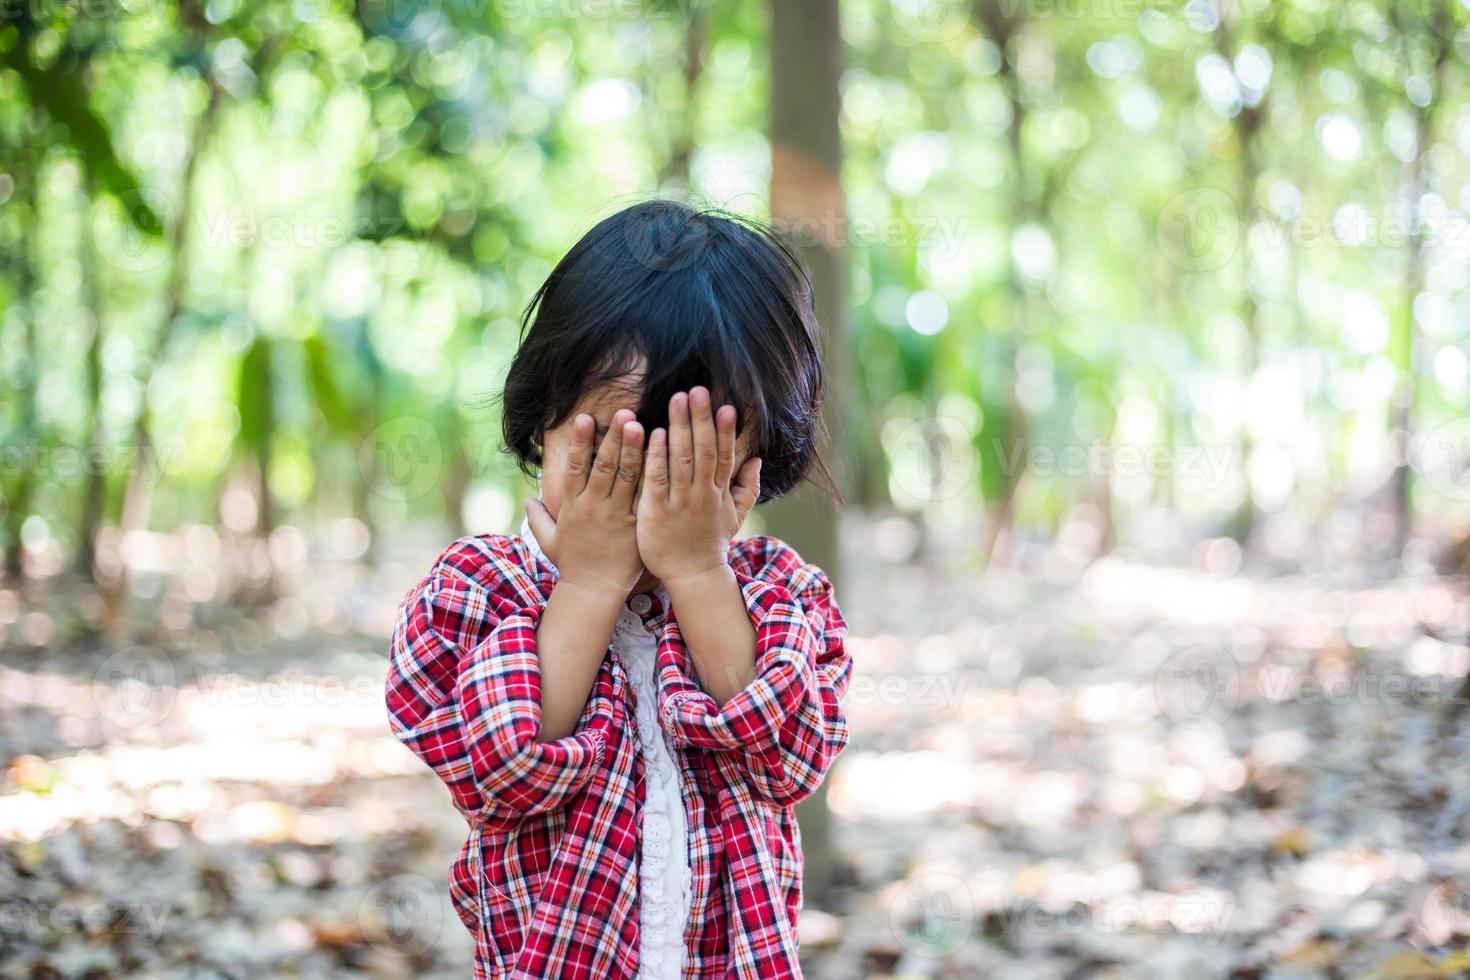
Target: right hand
(593,540)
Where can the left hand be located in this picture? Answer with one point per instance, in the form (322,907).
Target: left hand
(689,509)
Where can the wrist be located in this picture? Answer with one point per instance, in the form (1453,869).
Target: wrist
(592,591)
(700,582)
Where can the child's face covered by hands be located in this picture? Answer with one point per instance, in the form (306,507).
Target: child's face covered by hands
(688,521)
(696,490)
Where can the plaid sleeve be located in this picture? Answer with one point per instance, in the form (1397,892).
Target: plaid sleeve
(788,723)
(464,693)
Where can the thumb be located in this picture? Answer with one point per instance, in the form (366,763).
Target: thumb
(747,486)
(542,523)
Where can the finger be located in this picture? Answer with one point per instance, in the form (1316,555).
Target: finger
(681,442)
(605,467)
(725,432)
(630,465)
(543,525)
(747,488)
(579,454)
(702,427)
(656,467)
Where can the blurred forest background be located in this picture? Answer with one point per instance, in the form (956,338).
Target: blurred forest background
(1148,334)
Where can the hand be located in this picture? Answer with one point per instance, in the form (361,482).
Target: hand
(688,509)
(593,540)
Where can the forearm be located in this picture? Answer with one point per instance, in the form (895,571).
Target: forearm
(570,642)
(716,627)
(783,729)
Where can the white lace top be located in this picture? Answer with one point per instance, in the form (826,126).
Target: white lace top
(663,868)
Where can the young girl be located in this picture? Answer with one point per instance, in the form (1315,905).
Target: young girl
(624,699)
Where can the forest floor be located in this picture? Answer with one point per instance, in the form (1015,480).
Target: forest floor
(1117,769)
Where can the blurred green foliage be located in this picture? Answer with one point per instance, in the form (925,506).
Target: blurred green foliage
(1092,246)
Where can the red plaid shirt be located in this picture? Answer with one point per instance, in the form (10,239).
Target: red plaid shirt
(547,882)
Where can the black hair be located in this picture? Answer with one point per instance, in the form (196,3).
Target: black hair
(699,296)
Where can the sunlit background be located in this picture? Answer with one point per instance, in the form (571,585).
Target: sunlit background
(1149,343)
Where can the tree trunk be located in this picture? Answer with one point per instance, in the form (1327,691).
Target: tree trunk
(677,170)
(19,496)
(806,159)
(1000,22)
(95,470)
(1247,124)
(137,499)
(1404,348)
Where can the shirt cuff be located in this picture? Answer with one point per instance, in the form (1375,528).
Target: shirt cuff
(785,667)
(500,689)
